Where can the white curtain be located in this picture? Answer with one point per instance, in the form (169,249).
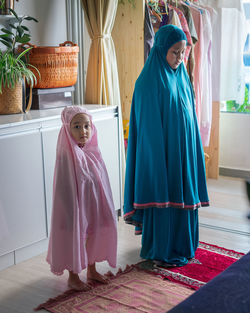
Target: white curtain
(229,36)
(102,85)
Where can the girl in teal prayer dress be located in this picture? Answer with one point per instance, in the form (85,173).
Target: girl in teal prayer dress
(165,181)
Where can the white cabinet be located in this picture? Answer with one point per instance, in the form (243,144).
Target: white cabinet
(27,160)
(49,140)
(109,145)
(22,190)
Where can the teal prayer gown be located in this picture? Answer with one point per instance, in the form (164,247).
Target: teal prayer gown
(165,180)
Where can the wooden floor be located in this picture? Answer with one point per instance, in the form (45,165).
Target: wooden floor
(26,285)
(228,212)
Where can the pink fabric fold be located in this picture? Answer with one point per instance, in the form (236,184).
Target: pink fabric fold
(83,225)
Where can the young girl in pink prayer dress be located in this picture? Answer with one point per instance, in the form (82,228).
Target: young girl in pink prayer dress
(83,227)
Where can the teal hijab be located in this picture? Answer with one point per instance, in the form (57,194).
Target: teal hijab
(165,160)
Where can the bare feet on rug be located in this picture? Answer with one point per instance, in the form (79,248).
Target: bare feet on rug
(92,274)
(74,282)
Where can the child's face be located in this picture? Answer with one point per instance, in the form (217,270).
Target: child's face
(175,54)
(80,127)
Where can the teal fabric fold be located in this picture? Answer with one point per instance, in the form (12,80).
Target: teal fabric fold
(171,235)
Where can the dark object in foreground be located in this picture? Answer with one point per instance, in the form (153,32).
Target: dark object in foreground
(248,194)
(229,292)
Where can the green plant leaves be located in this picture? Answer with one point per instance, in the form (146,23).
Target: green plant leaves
(23,53)
(20,31)
(12,67)
(6,31)
(25,28)
(29,18)
(18,34)
(24,39)
(6,43)
(6,37)
(14,13)
(233,106)
(12,26)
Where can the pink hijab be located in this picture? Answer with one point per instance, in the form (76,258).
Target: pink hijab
(83,208)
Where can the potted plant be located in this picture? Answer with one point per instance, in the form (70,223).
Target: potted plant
(13,67)
(5,5)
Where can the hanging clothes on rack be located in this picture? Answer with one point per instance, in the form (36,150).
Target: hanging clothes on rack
(229,31)
(198,50)
(216,35)
(172,15)
(206,97)
(204,107)
(155,15)
(207,100)
(185,28)
(195,21)
(167,15)
(148,33)
(191,60)
(174,18)
(186,11)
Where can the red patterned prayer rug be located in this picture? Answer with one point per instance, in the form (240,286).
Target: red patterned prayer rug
(130,291)
(209,261)
(140,287)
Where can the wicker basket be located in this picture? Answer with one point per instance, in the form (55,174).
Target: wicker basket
(11,100)
(57,65)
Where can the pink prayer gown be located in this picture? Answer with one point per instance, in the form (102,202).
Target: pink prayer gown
(83,226)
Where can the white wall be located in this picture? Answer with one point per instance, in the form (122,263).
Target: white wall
(235,141)
(51,30)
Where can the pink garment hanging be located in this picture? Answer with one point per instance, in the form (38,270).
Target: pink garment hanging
(203,74)
(198,50)
(206,100)
(83,226)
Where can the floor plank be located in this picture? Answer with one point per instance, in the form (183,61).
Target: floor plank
(26,285)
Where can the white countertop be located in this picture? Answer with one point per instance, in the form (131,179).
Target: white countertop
(49,114)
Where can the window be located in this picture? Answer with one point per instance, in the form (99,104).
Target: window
(233,106)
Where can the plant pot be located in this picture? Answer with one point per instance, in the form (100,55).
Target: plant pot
(8,4)
(15,100)
(11,100)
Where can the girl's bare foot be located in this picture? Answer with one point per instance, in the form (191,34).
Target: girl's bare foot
(74,282)
(92,274)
